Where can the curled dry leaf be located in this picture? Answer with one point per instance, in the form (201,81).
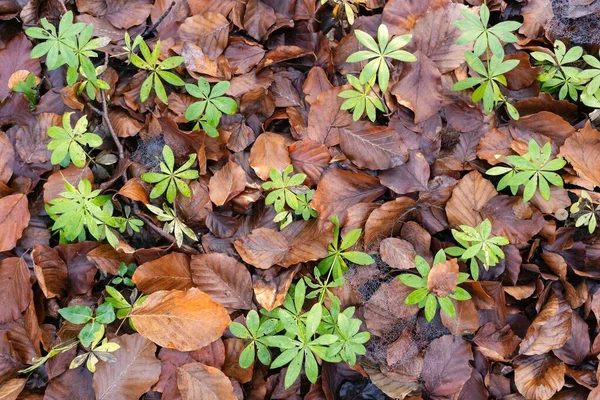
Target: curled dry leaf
(135,190)
(197,381)
(497,344)
(263,248)
(582,151)
(387,220)
(171,272)
(270,290)
(550,329)
(179,320)
(224,279)
(539,377)
(134,372)
(50,271)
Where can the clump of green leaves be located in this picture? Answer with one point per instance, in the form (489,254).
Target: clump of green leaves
(172,223)
(475,29)
(534,169)
(339,253)
(488,42)
(71,44)
(208,111)
(362,99)
(67,144)
(558,77)
(171,180)
(94,324)
(477,244)
(157,70)
(123,307)
(287,190)
(584,211)
(82,208)
(28,88)
(591,76)
(124,275)
(319,334)
(380,54)
(423,295)
(91,86)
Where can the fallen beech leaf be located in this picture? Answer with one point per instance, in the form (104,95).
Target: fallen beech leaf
(578,346)
(231,367)
(372,146)
(468,198)
(184,321)
(269,152)
(539,377)
(262,248)
(443,278)
(338,190)
(71,384)
(420,87)
(171,272)
(523,75)
(281,53)
(197,381)
(550,329)
(310,158)
(15,56)
(397,253)
(387,220)
(316,82)
(536,15)
(14,218)
(50,271)
(195,209)
(11,389)
(270,291)
(81,270)
(258,18)
(497,344)
(400,15)
(135,190)
(412,176)
(325,119)
(120,13)
(209,30)
(108,259)
(15,288)
(7,156)
(123,124)
(446,367)
(224,279)
(386,307)
(582,151)
(226,183)
(393,384)
(466,321)
(134,372)
(308,241)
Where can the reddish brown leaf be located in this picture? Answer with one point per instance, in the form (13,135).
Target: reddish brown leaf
(582,151)
(81,271)
(231,368)
(338,190)
(263,248)
(134,372)
(15,55)
(387,220)
(258,18)
(468,198)
(400,15)
(108,259)
(523,75)
(123,124)
(539,377)
(71,384)
(14,218)
(316,82)
(551,328)
(224,279)
(50,271)
(197,381)
(466,320)
(536,15)
(121,13)
(397,253)
(308,241)
(179,320)
(171,272)
(11,389)
(412,176)
(195,209)
(281,53)
(15,287)
(446,366)
(386,307)
(269,152)
(578,346)
(443,278)
(270,291)
(310,158)
(325,119)
(372,146)
(210,31)
(135,190)
(226,183)
(497,344)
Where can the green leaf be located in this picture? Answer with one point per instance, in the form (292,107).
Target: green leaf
(447,306)
(239,330)
(412,281)
(105,314)
(416,296)
(247,356)
(76,314)
(358,257)
(430,307)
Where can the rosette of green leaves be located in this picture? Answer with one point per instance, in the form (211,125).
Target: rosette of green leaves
(158,71)
(172,223)
(339,253)
(534,169)
(67,144)
(475,29)
(427,300)
(558,77)
(490,75)
(304,208)
(171,180)
(362,99)
(584,212)
(260,335)
(123,307)
(350,342)
(591,94)
(94,324)
(478,244)
(281,186)
(380,53)
(208,111)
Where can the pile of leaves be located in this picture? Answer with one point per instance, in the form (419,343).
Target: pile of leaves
(322,199)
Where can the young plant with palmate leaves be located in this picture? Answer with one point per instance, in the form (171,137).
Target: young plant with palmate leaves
(72,44)
(123,307)
(591,76)
(475,29)
(585,212)
(260,335)
(157,71)
(380,54)
(82,208)
(477,246)
(171,180)
(285,190)
(212,105)
(437,284)
(339,253)
(28,87)
(172,223)
(362,99)
(558,77)
(67,142)
(490,75)
(94,323)
(534,169)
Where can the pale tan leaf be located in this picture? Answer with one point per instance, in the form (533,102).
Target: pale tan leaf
(269,152)
(226,183)
(539,377)
(171,272)
(550,329)
(197,381)
(262,248)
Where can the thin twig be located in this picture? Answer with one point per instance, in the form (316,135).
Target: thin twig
(149,30)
